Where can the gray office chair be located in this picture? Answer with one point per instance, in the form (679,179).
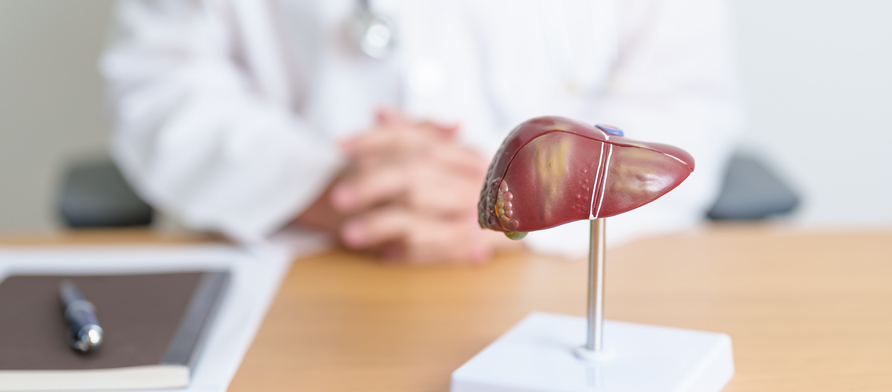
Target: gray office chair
(96,195)
(751,191)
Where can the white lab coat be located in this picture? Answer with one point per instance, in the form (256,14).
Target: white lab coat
(226,113)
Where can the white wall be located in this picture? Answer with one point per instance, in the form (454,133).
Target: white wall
(817,75)
(50,108)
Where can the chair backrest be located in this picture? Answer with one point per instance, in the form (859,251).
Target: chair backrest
(96,195)
(752,191)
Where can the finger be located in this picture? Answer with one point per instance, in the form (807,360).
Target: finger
(401,236)
(368,186)
(395,132)
(390,140)
(387,115)
(447,156)
(460,159)
(426,187)
(449,131)
(377,227)
(441,193)
(439,240)
(390,116)
(422,188)
(434,242)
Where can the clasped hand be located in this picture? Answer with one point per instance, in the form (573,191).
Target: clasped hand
(410,194)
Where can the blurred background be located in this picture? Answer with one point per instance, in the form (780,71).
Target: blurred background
(815,73)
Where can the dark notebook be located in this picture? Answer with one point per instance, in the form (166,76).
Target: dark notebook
(153,325)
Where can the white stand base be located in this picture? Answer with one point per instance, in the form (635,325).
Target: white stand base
(538,355)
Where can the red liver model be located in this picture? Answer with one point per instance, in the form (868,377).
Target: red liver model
(553,170)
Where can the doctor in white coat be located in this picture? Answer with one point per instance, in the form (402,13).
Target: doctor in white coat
(244,117)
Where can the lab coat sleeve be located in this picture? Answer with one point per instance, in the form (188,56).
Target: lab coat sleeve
(192,132)
(674,82)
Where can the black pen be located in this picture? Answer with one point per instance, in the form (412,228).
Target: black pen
(84,332)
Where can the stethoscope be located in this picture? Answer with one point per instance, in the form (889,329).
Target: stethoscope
(373,33)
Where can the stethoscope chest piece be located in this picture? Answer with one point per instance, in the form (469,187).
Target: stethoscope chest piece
(374,34)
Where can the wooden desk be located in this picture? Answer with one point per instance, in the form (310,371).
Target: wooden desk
(806,311)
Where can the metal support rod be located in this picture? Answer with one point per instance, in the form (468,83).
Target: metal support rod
(596,252)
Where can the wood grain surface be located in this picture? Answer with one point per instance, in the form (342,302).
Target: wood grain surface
(806,311)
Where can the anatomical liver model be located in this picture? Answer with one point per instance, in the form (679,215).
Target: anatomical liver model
(554,170)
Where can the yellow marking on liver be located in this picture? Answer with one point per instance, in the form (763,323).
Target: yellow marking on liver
(551,164)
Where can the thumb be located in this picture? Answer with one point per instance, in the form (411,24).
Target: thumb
(387,115)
